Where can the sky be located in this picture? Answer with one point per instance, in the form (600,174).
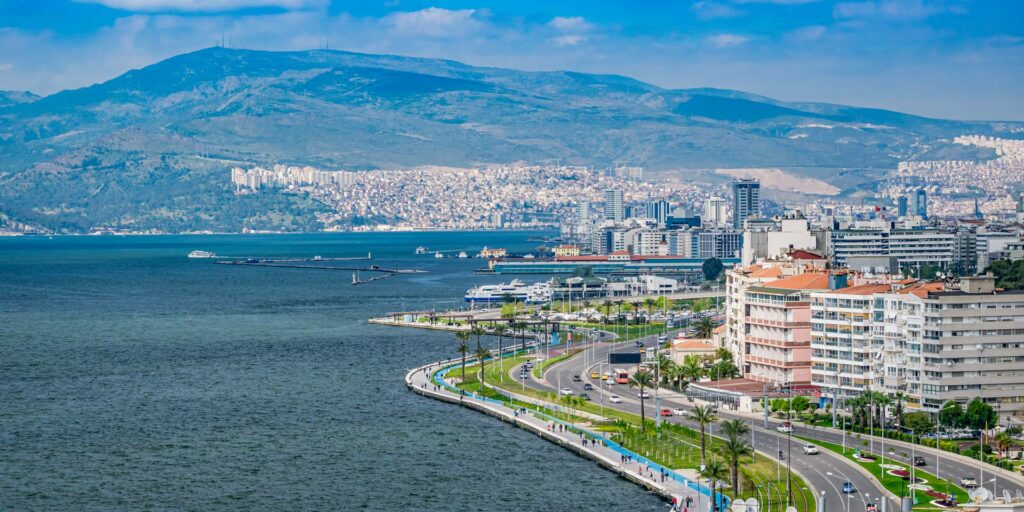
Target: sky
(941,58)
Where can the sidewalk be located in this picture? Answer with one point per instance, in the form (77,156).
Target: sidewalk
(670,484)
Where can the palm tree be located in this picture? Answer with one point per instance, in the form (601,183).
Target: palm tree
(649,305)
(734,449)
(692,367)
(1003,442)
(463,337)
(477,331)
(636,310)
(501,330)
(715,471)
(640,380)
(703,415)
(606,308)
(481,355)
(521,327)
(898,398)
(735,428)
(704,328)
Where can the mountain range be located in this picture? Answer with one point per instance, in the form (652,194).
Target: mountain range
(152,147)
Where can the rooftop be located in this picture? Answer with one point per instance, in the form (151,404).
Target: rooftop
(806,281)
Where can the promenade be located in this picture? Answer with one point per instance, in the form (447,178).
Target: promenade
(666,482)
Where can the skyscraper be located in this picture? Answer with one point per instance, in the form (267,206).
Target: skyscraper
(746,200)
(901,206)
(658,210)
(613,208)
(919,205)
(714,212)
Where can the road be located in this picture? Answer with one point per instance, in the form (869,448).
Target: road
(825,471)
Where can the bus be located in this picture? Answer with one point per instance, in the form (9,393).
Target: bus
(621,376)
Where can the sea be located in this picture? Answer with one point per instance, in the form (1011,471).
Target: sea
(135,378)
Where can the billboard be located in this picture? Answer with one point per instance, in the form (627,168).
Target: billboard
(624,358)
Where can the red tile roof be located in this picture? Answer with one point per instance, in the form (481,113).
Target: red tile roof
(807,281)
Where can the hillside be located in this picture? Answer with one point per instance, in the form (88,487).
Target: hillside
(151,148)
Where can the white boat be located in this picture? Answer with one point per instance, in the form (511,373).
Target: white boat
(463,255)
(438,255)
(201,254)
(421,250)
(516,290)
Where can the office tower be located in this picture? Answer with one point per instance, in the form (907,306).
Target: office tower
(614,210)
(583,212)
(1020,208)
(714,212)
(658,210)
(919,205)
(901,206)
(746,200)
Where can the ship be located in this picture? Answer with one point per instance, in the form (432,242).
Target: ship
(422,250)
(516,290)
(201,254)
(463,255)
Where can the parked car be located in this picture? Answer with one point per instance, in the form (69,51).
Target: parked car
(785,427)
(848,488)
(679,411)
(919,461)
(588,387)
(566,391)
(969,482)
(615,399)
(665,412)
(810,449)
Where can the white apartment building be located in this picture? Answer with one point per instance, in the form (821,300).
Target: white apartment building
(937,342)
(715,212)
(910,247)
(785,234)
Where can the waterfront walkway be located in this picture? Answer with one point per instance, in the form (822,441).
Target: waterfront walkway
(664,481)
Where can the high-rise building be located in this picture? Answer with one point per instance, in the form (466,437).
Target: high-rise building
(901,206)
(919,205)
(714,212)
(1020,208)
(746,200)
(659,211)
(614,209)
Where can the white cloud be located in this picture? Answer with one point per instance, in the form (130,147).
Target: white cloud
(902,10)
(727,40)
(708,10)
(776,2)
(568,39)
(569,24)
(202,5)
(434,22)
(808,33)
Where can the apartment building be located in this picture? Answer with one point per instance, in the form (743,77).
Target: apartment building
(910,247)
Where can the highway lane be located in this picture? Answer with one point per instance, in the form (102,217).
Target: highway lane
(824,472)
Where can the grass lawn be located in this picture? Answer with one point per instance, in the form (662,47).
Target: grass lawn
(538,369)
(631,331)
(896,484)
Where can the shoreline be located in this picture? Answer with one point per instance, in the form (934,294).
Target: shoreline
(674,486)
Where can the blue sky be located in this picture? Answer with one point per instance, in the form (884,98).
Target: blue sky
(942,58)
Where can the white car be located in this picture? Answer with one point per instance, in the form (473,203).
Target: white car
(566,391)
(643,395)
(810,449)
(615,399)
(785,428)
(679,411)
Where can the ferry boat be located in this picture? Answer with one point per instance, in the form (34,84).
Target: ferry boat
(463,255)
(421,250)
(533,294)
(201,254)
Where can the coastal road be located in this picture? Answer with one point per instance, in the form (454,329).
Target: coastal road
(825,471)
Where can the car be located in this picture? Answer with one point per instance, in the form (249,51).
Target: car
(643,395)
(969,482)
(595,375)
(870,507)
(919,461)
(566,391)
(528,364)
(577,378)
(679,411)
(848,488)
(615,399)
(605,376)
(585,396)
(785,427)
(662,338)
(810,449)
(639,344)
(588,387)
(665,412)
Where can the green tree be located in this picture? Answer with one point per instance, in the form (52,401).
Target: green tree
(463,337)
(501,330)
(714,470)
(919,422)
(703,415)
(952,415)
(704,328)
(642,380)
(734,449)
(800,403)
(1009,274)
(898,399)
(980,415)
(481,355)
(1003,442)
(693,368)
(712,268)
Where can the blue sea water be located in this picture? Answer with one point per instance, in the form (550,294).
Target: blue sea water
(134,378)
